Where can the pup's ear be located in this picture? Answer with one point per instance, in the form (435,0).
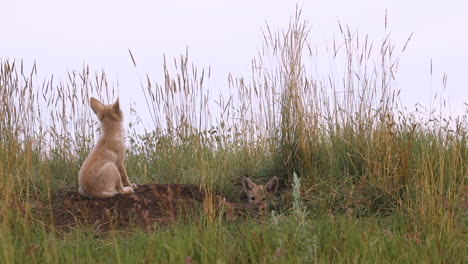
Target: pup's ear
(96,106)
(272,185)
(116,106)
(248,184)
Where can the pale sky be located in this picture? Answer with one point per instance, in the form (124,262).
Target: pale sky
(226,35)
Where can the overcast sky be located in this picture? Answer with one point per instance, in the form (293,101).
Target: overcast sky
(225,35)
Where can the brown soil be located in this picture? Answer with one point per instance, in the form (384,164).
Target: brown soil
(151,205)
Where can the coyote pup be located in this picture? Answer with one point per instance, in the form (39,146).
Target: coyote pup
(260,194)
(103,174)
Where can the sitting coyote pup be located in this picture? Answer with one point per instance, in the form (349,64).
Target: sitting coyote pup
(103,174)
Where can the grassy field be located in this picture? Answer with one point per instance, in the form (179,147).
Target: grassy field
(377,183)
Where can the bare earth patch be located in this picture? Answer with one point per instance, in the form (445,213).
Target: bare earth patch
(150,206)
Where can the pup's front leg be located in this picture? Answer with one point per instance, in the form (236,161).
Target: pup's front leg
(124,176)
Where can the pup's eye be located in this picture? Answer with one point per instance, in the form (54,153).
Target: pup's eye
(252,198)
(263,199)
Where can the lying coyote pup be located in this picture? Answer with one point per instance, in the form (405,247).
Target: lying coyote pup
(260,200)
(103,172)
(260,194)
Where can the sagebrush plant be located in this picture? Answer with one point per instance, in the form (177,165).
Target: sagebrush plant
(401,174)
(297,207)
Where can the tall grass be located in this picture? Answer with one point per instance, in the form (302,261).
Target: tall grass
(374,177)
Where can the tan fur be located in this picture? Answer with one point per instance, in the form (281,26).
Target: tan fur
(103,173)
(260,194)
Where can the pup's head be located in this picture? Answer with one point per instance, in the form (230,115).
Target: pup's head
(260,193)
(107,113)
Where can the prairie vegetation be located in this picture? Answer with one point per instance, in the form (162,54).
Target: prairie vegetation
(362,179)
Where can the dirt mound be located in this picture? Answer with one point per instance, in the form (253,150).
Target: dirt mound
(150,206)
